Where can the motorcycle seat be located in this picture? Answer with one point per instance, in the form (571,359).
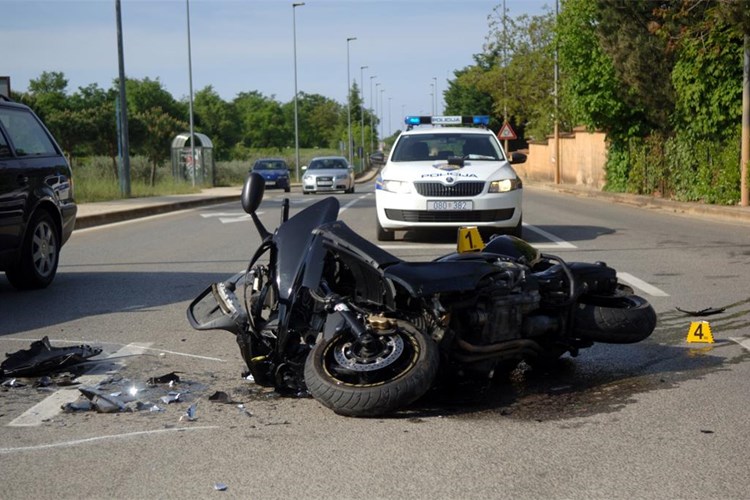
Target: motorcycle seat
(427,278)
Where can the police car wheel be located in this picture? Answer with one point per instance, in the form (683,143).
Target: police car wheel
(384,235)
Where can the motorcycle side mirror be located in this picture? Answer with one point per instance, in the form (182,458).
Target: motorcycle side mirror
(252,192)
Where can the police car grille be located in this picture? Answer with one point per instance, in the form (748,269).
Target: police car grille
(449,215)
(438,189)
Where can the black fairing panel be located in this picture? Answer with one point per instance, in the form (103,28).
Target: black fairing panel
(427,278)
(295,237)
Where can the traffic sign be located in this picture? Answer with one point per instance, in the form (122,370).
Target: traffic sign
(506,132)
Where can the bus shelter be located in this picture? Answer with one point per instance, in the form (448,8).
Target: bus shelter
(201,169)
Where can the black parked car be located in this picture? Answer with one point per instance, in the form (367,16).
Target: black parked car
(37,210)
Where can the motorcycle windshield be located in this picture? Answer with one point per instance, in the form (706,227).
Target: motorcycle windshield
(294,238)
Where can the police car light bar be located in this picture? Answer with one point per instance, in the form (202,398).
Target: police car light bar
(448,120)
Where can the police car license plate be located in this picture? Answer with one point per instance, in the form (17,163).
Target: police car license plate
(450,205)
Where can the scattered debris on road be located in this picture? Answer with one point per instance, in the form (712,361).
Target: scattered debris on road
(43,359)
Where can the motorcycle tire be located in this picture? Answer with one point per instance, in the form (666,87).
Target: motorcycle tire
(614,319)
(398,375)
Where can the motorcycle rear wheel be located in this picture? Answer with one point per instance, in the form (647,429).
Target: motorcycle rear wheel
(341,376)
(614,319)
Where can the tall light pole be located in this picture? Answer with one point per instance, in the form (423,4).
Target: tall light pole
(124,138)
(372,112)
(362,115)
(190,78)
(377,93)
(437,108)
(348,101)
(382,113)
(389,116)
(432,98)
(296,119)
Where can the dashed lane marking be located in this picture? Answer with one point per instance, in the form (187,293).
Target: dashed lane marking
(641,285)
(743,341)
(47,446)
(51,405)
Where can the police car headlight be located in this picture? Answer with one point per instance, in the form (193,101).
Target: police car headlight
(399,187)
(505,185)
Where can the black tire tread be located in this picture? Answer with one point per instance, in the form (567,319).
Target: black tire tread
(616,320)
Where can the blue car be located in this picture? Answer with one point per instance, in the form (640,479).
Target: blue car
(275,171)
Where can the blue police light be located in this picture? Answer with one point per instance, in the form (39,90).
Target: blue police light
(412,120)
(481,120)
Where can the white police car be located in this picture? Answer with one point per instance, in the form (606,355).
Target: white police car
(448,171)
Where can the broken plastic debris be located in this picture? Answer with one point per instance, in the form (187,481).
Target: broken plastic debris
(76,406)
(169,378)
(221,397)
(41,358)
(244,410)
(189,413)
(103,402)
(220,487)
(141,406)
(13,382)
(172,397)
(704,312)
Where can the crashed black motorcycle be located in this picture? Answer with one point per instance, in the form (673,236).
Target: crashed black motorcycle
(322,309)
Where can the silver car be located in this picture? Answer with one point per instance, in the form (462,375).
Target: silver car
(328,173)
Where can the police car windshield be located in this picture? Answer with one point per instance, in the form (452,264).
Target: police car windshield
(431,147)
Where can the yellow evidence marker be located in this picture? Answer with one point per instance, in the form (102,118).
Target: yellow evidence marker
(469,239)
(700,331)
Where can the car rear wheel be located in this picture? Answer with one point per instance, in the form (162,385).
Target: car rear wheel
(40,254)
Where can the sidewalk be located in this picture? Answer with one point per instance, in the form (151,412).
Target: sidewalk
(107,212)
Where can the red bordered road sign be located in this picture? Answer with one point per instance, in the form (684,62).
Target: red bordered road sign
(506,132)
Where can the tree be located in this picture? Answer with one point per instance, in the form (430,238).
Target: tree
(160,128)
(217,119)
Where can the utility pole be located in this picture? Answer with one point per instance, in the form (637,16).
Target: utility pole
(745,147)
(125,159)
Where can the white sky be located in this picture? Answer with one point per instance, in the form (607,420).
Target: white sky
(246,45)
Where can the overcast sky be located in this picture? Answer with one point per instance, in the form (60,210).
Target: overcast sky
(246,45)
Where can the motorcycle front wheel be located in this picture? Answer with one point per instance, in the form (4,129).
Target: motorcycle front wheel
(374,375)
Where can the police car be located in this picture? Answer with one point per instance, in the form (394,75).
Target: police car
(448,171)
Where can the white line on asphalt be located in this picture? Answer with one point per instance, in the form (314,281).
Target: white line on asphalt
(559,243)
(743,341)
(351,203)
(450,246)
(50,406)
(641,285)
(5,451)
(145,348)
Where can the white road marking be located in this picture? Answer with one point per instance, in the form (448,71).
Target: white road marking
(743,341)
(641,285)
(50,406)
(450,246)
(559,243)
(351,203)
(144,346)
(5,451)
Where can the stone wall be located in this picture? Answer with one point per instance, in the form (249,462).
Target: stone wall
(583,155)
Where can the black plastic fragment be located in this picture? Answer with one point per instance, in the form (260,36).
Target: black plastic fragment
(42,359)
(704,312)
(221,397)
(165,379)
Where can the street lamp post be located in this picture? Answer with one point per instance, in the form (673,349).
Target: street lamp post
(382,125)
(190,79)
(372,111)
(348,101)
(437,108)
(296,119)
(377,93)
(362,116)
(432,98)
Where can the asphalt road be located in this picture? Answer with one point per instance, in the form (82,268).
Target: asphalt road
(659,419)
